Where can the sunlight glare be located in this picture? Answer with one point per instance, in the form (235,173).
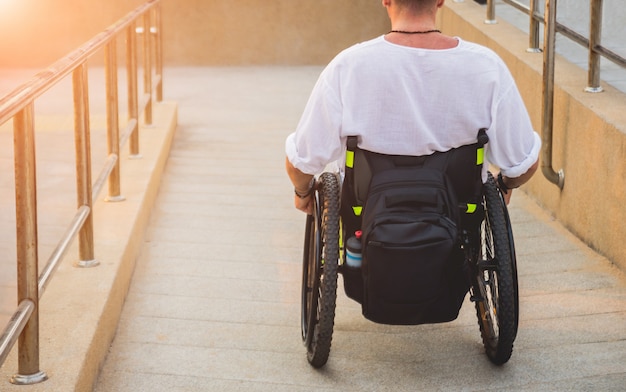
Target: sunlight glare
(6,5)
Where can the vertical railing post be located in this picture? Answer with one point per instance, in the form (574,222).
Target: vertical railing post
(27,244)
(83,164)
(133,100)
(595,40)
(533,32)
(548,95)
(491,12)
(147,67)
(159,52)
(113,127)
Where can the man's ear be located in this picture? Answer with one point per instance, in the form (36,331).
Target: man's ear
(386,3)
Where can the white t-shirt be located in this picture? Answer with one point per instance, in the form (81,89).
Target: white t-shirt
(409,101)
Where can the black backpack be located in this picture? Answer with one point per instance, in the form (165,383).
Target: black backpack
(408,210)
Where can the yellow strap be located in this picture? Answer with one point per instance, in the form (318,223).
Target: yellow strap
(480,156)
(350,159)
(471,208)
(357,210)
(341,238)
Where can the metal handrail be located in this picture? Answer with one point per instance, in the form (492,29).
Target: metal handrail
(595,52)
(593,43)
(555,177)
(19,106)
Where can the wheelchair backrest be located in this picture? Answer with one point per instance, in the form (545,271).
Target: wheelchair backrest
(462,165)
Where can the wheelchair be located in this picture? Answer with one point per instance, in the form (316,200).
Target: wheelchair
(488,251)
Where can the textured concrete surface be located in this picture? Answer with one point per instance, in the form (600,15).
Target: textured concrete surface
(214,302)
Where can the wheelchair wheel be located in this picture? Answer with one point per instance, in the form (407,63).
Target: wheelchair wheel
(319,271)
(495,290)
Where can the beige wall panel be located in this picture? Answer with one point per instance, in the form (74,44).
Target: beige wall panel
(252,32)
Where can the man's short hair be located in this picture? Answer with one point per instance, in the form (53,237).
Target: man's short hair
(417,6)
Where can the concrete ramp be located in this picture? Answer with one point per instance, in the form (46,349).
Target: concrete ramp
(214,303)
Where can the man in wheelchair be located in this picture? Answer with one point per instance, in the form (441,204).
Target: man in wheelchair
(413,94)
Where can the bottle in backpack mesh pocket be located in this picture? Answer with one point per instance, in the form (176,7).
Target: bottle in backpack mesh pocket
(354,257)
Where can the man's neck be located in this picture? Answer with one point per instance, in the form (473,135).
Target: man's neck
(435,41)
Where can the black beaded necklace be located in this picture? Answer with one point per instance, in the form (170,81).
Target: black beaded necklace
(415,32)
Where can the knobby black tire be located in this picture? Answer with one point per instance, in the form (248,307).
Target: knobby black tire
(497,310)
(320,269)
(507,218)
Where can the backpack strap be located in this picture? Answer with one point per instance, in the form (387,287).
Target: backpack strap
(353,191)
(463,165)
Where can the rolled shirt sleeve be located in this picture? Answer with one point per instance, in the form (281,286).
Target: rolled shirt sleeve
(317,140)
(513,146)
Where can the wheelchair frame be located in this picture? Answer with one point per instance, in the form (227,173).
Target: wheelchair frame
(489,253)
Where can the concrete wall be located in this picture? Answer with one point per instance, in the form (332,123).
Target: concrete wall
(589,134)
(249,32)
(36,33)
